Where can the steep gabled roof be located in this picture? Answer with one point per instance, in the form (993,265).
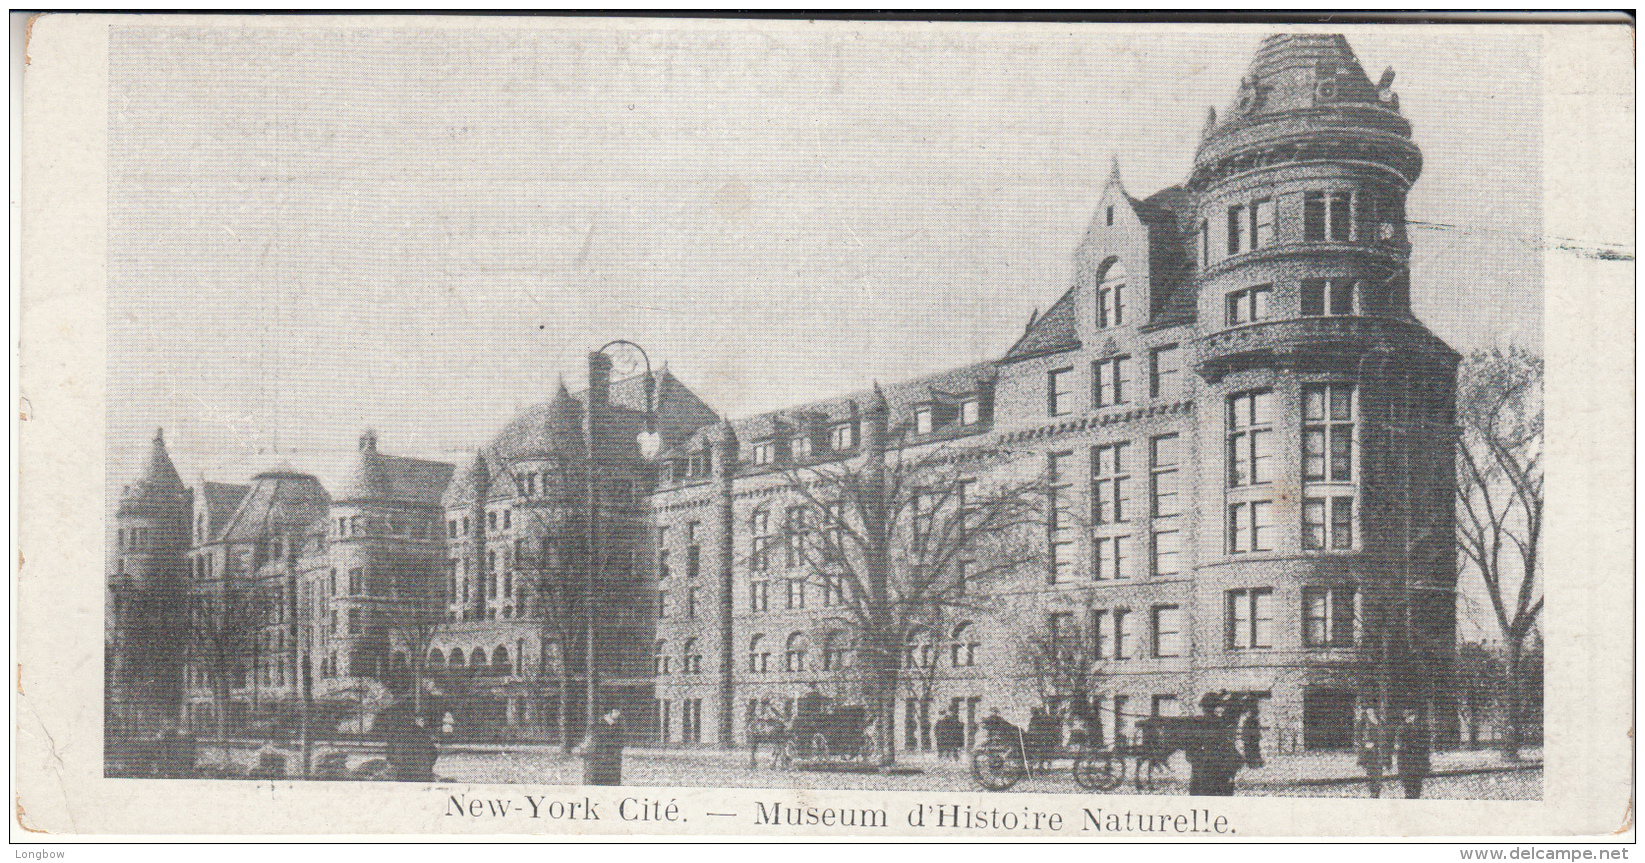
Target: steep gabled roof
(1053,332)
(280,501)
(217,501)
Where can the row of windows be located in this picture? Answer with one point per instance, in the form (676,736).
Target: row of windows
(1320,298)
(458,527)
(1111,382)
(837,651)
(1329,618)
(1327,216)
(691,720)
(1112,512)
(133,538)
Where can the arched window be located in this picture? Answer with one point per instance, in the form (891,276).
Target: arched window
(691,657)
(499,660)
(759,658)
(436,657)
(1111,296)
(659,658)
(836,651)
(965,646)
(794,653)
(477,658)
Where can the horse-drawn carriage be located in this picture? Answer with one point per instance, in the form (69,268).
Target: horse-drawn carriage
(839,733)
(1217,743)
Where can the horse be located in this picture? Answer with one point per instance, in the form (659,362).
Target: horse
(1209,740)
(770,730)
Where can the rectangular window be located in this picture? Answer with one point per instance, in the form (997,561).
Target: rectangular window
(1062,523)
(1165,372)
(1110,303)
(1250,615)
(1239,238)
(662,603)
(1124,638)
(662,565)
(1060,392)
(1204,243)
(970,412)
(844,437)
(1327,216)
(799,448)
(1328,616)
(1329,296)
(1342,523)
(1250,526)
(1262,224)
(795,593)
(1313,523)
(1111,381)
(1111,553)
(922,421)
(1108,484)
(1250,438)
(693,560)
(1165,494)
(1100,634)
(759,596)
(763,452)
(691,602)
(1168,640)
(1249,304)
(1328,432)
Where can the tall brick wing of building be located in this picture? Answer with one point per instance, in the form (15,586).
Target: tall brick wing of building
(145,623)
(1332,402)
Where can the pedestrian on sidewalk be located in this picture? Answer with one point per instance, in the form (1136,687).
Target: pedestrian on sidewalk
(1368,743)
(950,736)
(1413,752)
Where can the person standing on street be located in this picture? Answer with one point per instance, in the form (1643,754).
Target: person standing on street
(1413,753)
(950,735)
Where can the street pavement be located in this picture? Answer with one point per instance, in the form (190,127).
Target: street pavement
(1458,775)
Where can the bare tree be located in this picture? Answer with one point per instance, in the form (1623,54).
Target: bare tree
(901,536)
(1063,660)
(1499,500)
(223,628)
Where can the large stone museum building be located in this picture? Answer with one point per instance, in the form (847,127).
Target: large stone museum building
(1236,436)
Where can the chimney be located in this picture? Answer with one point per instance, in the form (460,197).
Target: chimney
(599,380)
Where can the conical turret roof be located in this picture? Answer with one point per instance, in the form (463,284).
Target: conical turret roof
(1307,90)
(159,483)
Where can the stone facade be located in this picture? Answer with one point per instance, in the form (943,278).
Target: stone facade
(1241,434)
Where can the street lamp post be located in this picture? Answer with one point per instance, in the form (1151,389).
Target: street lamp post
(649,442)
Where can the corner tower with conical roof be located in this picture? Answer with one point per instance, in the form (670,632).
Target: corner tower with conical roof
(146,625)
(1329,402)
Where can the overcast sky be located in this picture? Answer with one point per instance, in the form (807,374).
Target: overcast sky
(312,232)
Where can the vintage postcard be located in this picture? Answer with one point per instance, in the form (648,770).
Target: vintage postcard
(843,429)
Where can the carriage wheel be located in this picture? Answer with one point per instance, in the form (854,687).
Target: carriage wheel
(996,770)
(1099,771)
(1146,767)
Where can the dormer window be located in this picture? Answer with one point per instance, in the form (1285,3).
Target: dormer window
(970,412)
(922,420)
(843,437)
(1111,297)
(763,453)
(799,448)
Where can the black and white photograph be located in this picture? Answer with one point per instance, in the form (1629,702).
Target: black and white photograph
(1112,413)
